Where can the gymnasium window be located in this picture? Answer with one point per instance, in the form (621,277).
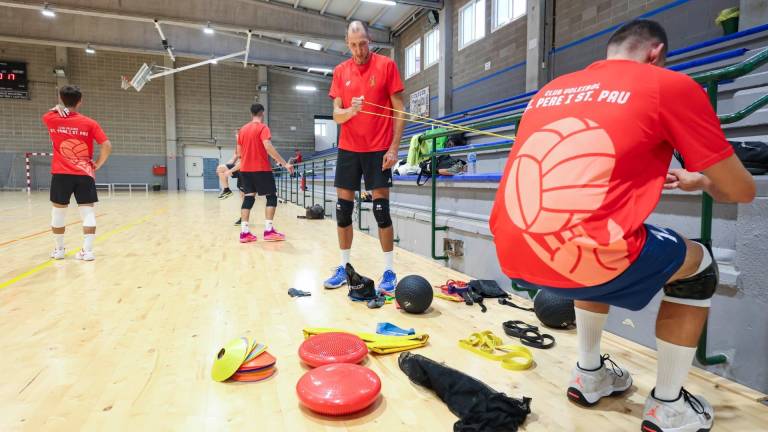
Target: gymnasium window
(320,129)
(506,11)
(431,47)
(471,23)
(413,59)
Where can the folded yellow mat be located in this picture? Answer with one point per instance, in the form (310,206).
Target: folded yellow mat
(379,344)
(486,343)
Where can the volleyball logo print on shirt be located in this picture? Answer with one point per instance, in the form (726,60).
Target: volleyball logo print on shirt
(76,153)
(557,180)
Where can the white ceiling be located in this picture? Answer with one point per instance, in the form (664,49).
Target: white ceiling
(374,14)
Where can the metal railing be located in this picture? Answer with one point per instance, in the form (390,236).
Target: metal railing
(710,79)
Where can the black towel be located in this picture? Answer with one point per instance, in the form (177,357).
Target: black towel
(478,407)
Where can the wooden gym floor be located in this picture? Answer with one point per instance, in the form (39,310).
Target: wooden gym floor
(126,342)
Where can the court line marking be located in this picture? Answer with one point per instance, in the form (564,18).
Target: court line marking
(42,232)
(99,239)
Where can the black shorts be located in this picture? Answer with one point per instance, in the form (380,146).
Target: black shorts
(258,182)
(235,174)
(64,185)
(352,166)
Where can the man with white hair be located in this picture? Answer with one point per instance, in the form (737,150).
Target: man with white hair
(367,95)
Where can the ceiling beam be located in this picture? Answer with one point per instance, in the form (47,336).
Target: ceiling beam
(133,50)
(325,6)
(353,10)
(427,4)
(378,16)
(101,33)
(250,14)
(376,34)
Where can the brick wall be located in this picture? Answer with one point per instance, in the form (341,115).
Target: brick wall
(425,77)
(290,108)
(133,121)
(685,24)
(472,84)
(504,47)
(212,101)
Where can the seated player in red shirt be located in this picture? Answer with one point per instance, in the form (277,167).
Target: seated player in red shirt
(591,159)
(73,170)
(254,142)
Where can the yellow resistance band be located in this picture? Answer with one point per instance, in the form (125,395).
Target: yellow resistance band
(485,343)
(379,344)
(436,122)
(433,122)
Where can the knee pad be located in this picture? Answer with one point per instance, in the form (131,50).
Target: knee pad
(58,217)
(344,210)
(248,202)
(271,200)
(696,290)
(88,215)
(381,212)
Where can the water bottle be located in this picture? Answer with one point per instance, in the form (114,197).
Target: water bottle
(472,157)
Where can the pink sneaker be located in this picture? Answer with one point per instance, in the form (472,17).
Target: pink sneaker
(273,235)
(247,237)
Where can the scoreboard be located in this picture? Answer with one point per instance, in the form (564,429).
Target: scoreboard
(13,80)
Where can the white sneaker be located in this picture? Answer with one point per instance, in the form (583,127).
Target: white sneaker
(85,255)
(58,254)
(588,387)
(688,413)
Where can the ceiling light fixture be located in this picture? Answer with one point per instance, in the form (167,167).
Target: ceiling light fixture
(313,46)
(89,49)
(382,2)
(208,29)
(47,11)
(306,88)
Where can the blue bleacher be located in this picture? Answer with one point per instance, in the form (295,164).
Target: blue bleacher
(501,107)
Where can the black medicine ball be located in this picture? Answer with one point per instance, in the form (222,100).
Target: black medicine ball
(414,294)
(553,310)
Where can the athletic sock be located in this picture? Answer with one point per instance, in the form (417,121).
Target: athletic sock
(88,242)
(389,258)
(345,256)
(589,329)
(674,362)
(244,227)
(59,239)
(268,225)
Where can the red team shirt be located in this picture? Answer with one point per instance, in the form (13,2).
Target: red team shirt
(588,167)
(377,81)
(73,138)
(253,154)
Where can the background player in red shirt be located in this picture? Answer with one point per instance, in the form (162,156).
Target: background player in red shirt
(368,144)
(591,158)
(73,170)
(254,147)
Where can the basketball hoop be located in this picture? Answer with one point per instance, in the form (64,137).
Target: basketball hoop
(141,77)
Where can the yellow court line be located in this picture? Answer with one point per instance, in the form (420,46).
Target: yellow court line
(42,232)
(99,239)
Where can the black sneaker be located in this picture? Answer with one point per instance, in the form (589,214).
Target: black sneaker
(226,193)
(238,222)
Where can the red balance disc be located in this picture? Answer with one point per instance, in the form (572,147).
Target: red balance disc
(327,348)
(338,389)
